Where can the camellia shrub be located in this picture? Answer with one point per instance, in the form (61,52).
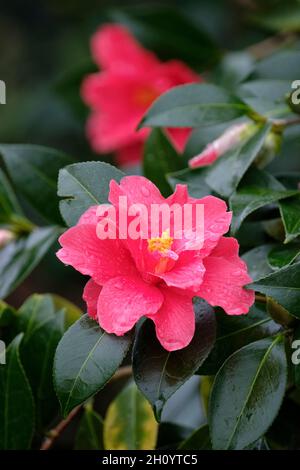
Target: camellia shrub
(216,297)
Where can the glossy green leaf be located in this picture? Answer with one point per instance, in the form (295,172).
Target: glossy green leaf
(71,311)
(8,202)
(233,69)
(282,65)
(90,431)
(86,358)
(256,190)
(283,255)
(247,394)
(267,97)
(16,402)
(283,287)
(43,327)
(159,373)
(20,257)
(34,171)
(290,210)
(198,440)
(234,332)
(160,158)
(257,261)
(129,422)
(83,185)
(193,106)
(7,314)
(225,182)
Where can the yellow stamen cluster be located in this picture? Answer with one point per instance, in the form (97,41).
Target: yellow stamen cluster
(161,244)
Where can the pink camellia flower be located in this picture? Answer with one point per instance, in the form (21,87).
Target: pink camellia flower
(157,277)
(229,139)
(131,78)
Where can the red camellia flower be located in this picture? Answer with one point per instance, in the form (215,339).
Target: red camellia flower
(131,78)
(157,277)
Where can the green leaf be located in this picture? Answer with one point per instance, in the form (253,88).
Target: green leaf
(267,97)
(7,314)
(198,440)
(90,431)
(257,261)
(283,287)
(43,327)
(256,190)
(282,17)
(283,255)
(247,394)
(282,65)
(83,185)
(167,31)
(71,311)
(129,422)
(160,158)
(159,373)
(8,201)
(20,257)
(290,210)
(194,179)
(225,182)
(34,171)
(86,358)
(16,402)
(193,106)
(234,332)
(234,68)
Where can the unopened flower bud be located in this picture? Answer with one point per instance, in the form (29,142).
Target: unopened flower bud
(229,139)
(269,150)
(6,236)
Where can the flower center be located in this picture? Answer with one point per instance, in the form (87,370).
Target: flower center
(161,244)
(145,96)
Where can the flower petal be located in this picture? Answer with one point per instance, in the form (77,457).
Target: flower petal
(90,295)
(113,47)
(124,300)
(225,276)
(175,321)
(100,259)
(138,189)
(89,217)
(187,272)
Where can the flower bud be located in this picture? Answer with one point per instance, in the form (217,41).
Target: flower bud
(6,236)
(229,139)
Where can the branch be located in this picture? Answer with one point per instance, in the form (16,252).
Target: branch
(54,434)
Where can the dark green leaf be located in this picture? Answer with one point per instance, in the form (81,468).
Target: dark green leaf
(283,287)
(198,440)
(238,160)
(234,68)
(159,373)
(267,97)
(20,257)
(90,432)
(282,65)
(86,358)
(160,158)
(194,179)
(83,185)
(234,332)
(16,402)
(282,17)
(43,327)
(247,394)
(257,189)
(290,210)
(283,255)
(129,422)
(257,261)
(34,171)
(7,314)
(193,106)
(8,201)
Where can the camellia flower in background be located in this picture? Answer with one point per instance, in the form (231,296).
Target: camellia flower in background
(131,78)
(157,277)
